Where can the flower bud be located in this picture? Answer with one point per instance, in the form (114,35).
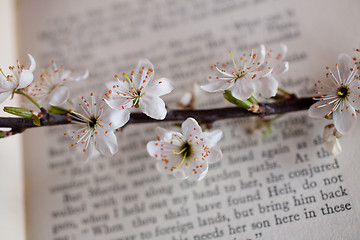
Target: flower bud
(331,141)
(21,112)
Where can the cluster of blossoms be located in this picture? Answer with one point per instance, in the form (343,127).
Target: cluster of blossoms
(185,154)
(99,118)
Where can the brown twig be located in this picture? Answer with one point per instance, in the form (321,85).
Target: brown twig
(18,125)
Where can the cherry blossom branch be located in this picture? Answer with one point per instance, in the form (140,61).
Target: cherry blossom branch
(18,125)
(212,115)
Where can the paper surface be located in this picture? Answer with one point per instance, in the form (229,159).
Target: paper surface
(282,187)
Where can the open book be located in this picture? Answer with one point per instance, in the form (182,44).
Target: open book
(286,186)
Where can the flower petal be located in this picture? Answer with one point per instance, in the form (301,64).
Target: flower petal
(152,149)
(180,174)
(26,78)
(89,153)
(345,64)
(243,89)
(122,86)
(5,85)
(344,118)
(159,87)
(217,86)
(320,109)
(161,132)
(163,168)
(153,106)
(214,155)
(263,73)
(354,96)
(143,73)
(119,103)
(4,96)
(213,137)
(191,127)
(261,56)
(159,149)
(106,143)
(196,169)
(168,163)
(115,118)
(32,63)
(59,96)
(174,138)
(267,86)
(79,78)
(202,175)
(280,68)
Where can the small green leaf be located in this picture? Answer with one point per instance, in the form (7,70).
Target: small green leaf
(36,120)
(57,110)
(240,103)
(22,112)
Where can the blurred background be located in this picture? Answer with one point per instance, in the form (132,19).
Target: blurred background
(11,170)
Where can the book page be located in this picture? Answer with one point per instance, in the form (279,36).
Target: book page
(286,186)
(12,215)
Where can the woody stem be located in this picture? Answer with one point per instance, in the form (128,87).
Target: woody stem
(207,116)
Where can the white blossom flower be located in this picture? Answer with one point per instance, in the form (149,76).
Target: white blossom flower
(186,154)
(140,90)
(95,125)
(52,87)
(339,95)
(241,81)
(331,139)
(267,86)
(19,79)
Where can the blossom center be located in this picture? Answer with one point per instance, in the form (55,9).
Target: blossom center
(240,75)
(52,88)
(343,92)
(185,150)
(136,98)
(92,122)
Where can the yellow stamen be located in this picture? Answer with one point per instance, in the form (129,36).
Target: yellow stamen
(3,73)
(233,60)
(182,160)
(125,74)
(182,150)
(46,75)
(80,115)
